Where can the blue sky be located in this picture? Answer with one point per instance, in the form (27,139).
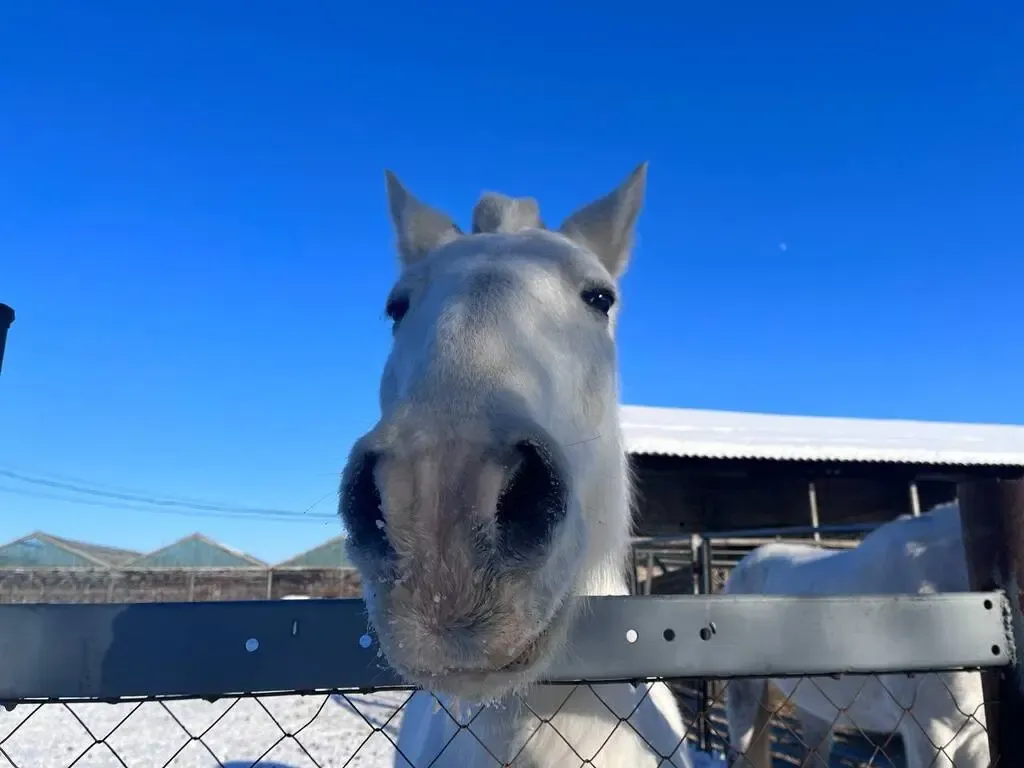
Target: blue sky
(194,235)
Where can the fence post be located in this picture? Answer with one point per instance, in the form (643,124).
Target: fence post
(812,503)
(634,575)
(695,540)
(705,566)
(915,499)
(706,698)
(649,576)
(6,320)
(992,519)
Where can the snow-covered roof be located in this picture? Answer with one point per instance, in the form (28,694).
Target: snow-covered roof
(732,435)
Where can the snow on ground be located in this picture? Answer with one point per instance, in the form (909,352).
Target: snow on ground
(330,732)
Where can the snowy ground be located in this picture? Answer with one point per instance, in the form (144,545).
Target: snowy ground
(331,732)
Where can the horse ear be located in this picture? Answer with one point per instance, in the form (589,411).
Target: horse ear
(419,229)
(606,226)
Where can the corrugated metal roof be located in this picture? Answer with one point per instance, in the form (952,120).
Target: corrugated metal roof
(733,435)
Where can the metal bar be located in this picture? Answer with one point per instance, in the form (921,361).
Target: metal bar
(706,699)
(730,547)
(695,541)
(992,518)
(915,500)
(812,502)
(792,530)
(6,321)
(661,565)
(209,649)
(634,573)
(756,541)
(705,566)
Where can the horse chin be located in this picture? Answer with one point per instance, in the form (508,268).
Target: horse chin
(488,679)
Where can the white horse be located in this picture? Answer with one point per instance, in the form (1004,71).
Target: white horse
(940,717)
(494,493)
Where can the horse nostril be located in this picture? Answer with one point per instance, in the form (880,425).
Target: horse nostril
(361,506)
(533,500)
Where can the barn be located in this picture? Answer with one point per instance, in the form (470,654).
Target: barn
(721,481)
(712,485)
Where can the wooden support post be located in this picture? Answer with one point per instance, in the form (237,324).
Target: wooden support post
(812,499)
(915,500)
(992,519)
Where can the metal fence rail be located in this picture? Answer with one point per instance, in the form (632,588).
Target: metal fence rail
(679,560)
(82,652)
(155,663)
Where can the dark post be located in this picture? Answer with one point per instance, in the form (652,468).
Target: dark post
(695,577)
(992,518)
(706,698)
(634,577)
(705,566)
(6,319)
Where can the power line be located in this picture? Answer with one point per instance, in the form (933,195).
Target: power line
(167,502)
(291,517)
(7,465)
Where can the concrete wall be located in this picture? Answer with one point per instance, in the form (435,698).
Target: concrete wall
(100,586)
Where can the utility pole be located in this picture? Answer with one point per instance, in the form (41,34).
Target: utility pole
(6,319)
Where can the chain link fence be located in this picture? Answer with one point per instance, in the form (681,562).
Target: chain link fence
(340,729)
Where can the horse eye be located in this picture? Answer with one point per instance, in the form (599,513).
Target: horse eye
(600,299)
(396,308)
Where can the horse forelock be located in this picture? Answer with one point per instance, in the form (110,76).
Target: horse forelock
(495,212)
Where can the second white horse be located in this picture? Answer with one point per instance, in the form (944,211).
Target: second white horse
(940,717)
